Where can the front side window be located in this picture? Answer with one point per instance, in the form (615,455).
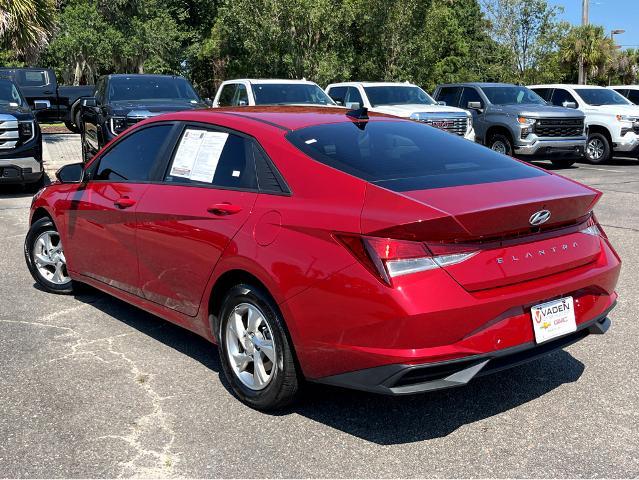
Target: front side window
(633,96)
(9,94)
(397,95)
(210,157)
(512,95)
(449,95)
(404,156)
(133,158)
(470,95)
(338,94)
(601,96)
(241,95)
(354,96)
(543,93)
(561,97)
(290,94)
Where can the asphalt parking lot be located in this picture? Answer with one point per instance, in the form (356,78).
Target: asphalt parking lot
(92,387)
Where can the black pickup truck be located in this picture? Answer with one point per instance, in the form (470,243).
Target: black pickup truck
(121,100)
(20,139)
(62,103)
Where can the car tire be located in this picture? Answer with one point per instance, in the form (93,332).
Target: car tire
(562,162)
(598,148)
(71,127)
(250,326)
(45,259)
(500,143)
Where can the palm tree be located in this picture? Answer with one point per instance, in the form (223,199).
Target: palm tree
(26,25)
(589,44)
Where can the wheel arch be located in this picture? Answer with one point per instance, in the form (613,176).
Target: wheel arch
(603,130)
(39,213)
(498,129)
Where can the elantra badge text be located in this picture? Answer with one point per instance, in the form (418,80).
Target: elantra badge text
(539,253)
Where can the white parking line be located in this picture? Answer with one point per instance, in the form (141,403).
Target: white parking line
(603,169)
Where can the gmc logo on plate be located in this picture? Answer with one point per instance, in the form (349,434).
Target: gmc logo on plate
(442,124)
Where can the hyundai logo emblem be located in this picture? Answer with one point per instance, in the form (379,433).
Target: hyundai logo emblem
(537,218)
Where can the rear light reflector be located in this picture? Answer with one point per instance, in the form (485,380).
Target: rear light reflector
(593,228)
(389,258)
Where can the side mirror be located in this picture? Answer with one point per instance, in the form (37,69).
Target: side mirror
(474,106)
(353,105)
(89,102)
(41,104)
(441,102)
(242,103)
(71,173)
(569,104)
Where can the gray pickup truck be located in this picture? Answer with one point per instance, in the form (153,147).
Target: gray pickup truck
(514,120)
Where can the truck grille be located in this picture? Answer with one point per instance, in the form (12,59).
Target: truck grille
(456,125)
(559,127)
(9,134)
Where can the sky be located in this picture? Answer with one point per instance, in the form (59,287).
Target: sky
(612,14)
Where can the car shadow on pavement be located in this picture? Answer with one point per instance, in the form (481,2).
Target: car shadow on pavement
(380,419)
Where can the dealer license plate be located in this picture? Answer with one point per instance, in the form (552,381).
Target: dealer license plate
(553,319)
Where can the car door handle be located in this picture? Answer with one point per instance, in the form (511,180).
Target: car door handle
(124,202)
(222,209)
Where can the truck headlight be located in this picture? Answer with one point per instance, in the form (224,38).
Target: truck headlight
(525,121)
(627,118)
(416,116)
(26,130)
(117,124)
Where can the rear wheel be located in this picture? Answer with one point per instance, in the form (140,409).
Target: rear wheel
(256,355)
(598,148)
(500,143)
(45,258)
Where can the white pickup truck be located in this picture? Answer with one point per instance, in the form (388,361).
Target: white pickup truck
(612,120)
(250,92)
(403,100)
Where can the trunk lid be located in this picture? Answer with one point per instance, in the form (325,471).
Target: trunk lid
(492,219)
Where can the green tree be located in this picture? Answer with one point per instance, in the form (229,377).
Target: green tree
(589,44)
(26,26)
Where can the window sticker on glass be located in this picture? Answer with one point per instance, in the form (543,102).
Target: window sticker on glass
(198,155)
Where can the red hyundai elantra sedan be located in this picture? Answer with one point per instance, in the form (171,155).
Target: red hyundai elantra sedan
(373,253)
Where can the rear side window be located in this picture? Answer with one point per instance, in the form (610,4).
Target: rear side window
(132,159)
(31,78)
(633,96)
(448,95)
(212,158)
(404,156)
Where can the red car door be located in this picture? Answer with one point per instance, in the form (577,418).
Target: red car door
(185,223)
(101,218)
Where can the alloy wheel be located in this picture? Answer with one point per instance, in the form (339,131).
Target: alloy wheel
(48,256)
(499,147)
(250,346)
(596,149)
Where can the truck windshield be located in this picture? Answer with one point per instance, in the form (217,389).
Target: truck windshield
(602,96)
(290,94)
(404,155)
(512,95)
(9,94)
(139,87)
(398,95)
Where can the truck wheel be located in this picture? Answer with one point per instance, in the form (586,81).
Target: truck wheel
(500,143)
(598,148)
(71,127)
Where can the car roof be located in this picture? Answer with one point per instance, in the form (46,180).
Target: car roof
(147,75)
(477,84)
(279,117)
(257,81)
(373,84)
(565,85)
(629,87)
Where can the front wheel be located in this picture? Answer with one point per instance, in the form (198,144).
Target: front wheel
(598,148)
(256,355)
(500,143)
(45,258)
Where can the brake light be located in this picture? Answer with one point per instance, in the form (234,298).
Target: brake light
(593,228)
(387,258)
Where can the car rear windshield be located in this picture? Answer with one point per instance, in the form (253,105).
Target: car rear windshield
(137,87)
(290,94)
(405,155)
(397,95)
(602,96)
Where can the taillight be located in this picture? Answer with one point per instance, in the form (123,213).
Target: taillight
(388,258)
(593,228)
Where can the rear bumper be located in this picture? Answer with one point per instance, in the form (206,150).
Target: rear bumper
(556,148)
(20,170)
(404,379)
